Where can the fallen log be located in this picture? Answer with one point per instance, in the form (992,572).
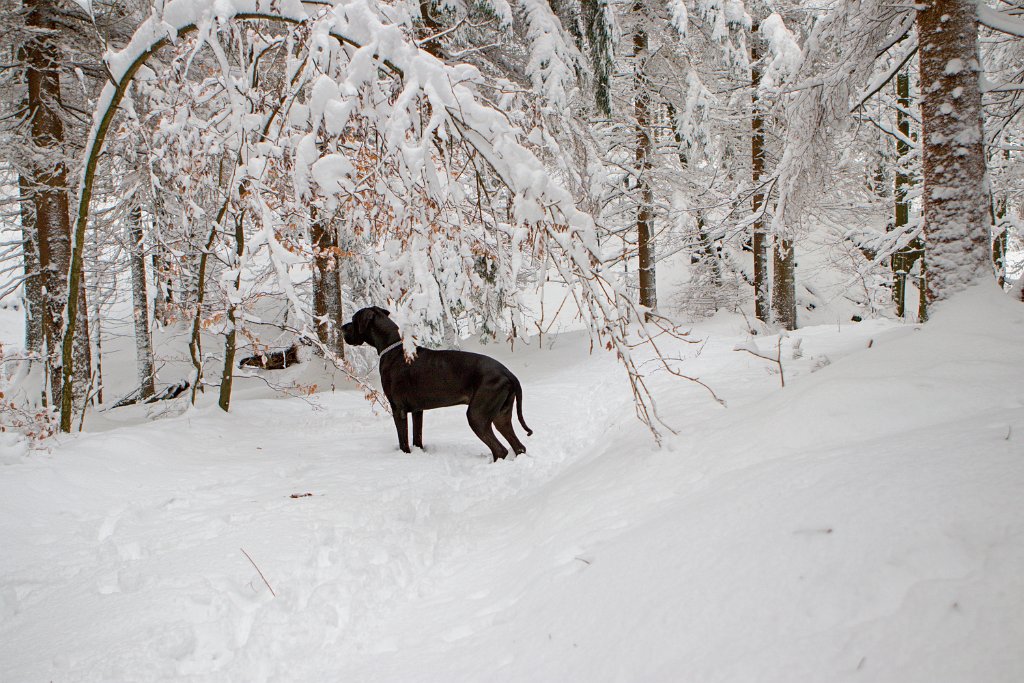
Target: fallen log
(273,360)
(173,391)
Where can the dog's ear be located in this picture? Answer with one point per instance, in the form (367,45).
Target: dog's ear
(385,311)
(361,319)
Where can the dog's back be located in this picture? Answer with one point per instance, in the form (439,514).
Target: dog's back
(437,379)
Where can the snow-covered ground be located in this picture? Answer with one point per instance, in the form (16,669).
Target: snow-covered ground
(864,523)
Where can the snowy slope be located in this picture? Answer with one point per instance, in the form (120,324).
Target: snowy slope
(866,522)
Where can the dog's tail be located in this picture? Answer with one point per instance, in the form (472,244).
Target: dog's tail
(519,404)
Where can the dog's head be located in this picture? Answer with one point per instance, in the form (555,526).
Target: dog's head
(359,330)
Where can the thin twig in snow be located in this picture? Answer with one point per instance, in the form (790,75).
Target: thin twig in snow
(260,572)
(777,360)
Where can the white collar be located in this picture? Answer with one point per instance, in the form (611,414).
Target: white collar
(393,346)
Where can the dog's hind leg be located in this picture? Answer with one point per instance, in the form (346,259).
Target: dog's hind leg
(503,422)
(480,422)
(417,428)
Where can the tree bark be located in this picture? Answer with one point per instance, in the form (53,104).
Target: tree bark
(230,338)
(97,326)
(163,302)
(427,27)
(708,253)
(997,207)
(955,198)
(140,296)
(328,311)
(760,241)
(81,349)
(599,34)
(903,260)
(33,286)
(48,178)
(784,284)
(645,212)
(48,183)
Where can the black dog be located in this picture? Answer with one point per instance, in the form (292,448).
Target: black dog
(437,379)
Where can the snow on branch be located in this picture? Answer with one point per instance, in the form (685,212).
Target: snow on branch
(408,136)
(783,49)
(554,61)
(878,247)
(1000,21)
(839,57)
(884,78)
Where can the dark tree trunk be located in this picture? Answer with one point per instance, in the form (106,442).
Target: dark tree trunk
(427,27)
(708,253)
(48,181)
(903,260)
(599,35)
(645,212)
(956,220)
(760,241)
(784,284)
(231,337)
(48,178)
(195,344)
(82,351)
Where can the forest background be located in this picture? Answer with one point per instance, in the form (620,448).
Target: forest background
(245,173)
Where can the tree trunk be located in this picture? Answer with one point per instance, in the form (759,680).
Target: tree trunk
(999,241)
(163,302)
(997,207)
(50,201)
(645,212)
(784,284)
(427,27)
(903,260)
(195,344)
(328,310)
(955,198)
(33,286)
(708,254)
(140,296)
(97,326)
(48,178)
(760,241)
(81,349)
(600,37)
(231,336)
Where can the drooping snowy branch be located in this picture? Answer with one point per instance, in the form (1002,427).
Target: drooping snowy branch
(410,134)
(839,57)
(784,52)
(1000,21)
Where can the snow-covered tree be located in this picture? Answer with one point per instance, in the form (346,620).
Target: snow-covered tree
(450,175)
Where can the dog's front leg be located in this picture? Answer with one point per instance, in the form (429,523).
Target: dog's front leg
(402,425)
(417,428)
